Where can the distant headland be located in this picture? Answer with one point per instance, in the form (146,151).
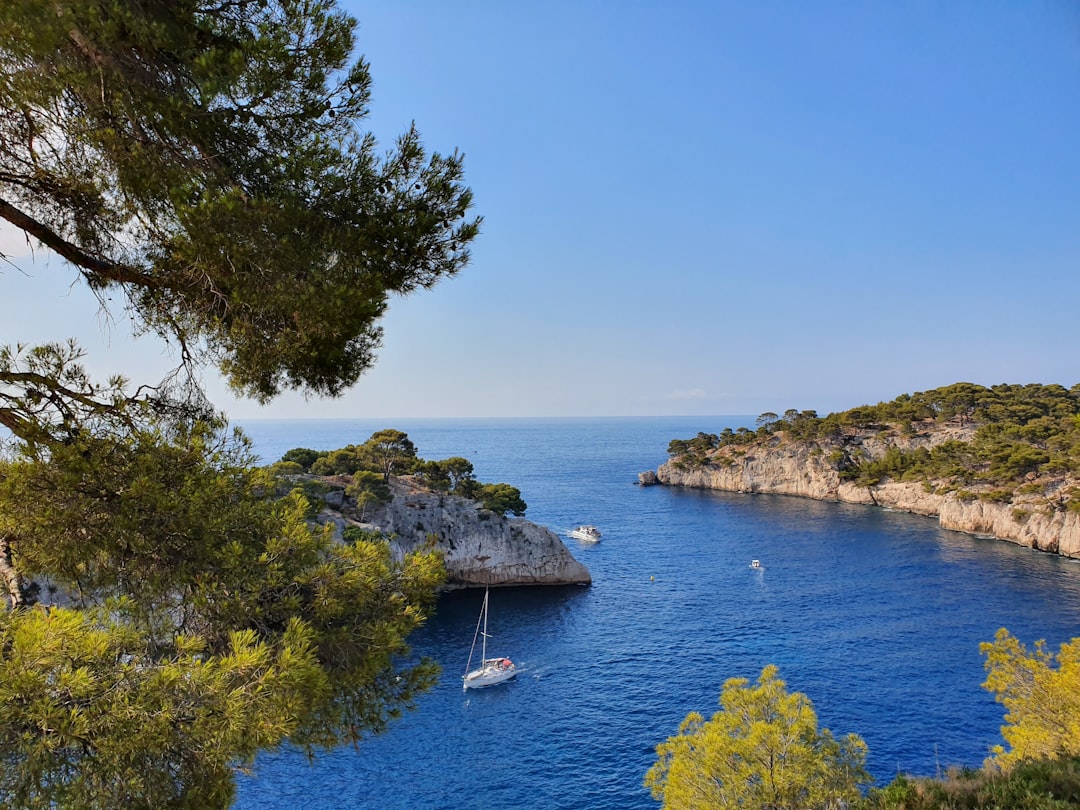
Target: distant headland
(1002,461)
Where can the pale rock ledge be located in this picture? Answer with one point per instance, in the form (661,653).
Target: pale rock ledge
(479,547)
(800,468)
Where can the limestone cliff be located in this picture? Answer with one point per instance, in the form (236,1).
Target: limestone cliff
(479,546)
(809,469)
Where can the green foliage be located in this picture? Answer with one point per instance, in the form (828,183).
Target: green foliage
(460,472)
(900,794)
(205,621)
(1019,431)
(88,720)
(286,468)
(302,456)
(46,395)
(354,534)
(695,452)
(1042,702)
(313,494)
(1031,785)
(1041,768)
(761,750)
(368,489)
(801,424)
(501,498)
(390,451)
(453,475)
(206,163)
(344,461)
(322,466)
(434,475)
(202,164)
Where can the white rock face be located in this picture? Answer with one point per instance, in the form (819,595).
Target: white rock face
(479,547)
(802,468)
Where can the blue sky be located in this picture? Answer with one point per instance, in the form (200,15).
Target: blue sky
(708,208)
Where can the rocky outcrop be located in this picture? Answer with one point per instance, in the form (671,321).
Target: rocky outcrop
(809,469)
(479,547)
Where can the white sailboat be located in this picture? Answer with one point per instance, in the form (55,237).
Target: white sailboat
(491,670)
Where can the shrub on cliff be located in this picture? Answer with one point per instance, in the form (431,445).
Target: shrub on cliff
(392,451)
(1032,785)
(368,489)
(501,498)
(453,475)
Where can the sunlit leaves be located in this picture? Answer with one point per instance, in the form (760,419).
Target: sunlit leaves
(761,750)
(1041,695)
(198,620)
(88,721)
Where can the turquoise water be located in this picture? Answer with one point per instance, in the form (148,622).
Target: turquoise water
(877,616)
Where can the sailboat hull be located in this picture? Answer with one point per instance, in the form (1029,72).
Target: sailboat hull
(491,670)
(494,671)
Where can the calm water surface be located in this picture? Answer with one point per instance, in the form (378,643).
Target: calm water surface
(877,616)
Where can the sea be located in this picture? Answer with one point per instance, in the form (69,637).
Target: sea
(876,616)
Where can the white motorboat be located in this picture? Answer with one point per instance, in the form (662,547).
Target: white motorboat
(491,670)
(588,534)
(756,564)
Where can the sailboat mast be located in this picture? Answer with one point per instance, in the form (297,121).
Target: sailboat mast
(483,654)
(488,673)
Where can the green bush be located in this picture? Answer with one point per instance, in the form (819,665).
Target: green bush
(501,498)
(286,468)
(302,456)
(1044,785)
(314,492)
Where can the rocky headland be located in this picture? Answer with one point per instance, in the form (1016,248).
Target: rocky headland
(479,547)
(1034,514)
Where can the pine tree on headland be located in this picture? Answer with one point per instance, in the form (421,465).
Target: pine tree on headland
(168,616)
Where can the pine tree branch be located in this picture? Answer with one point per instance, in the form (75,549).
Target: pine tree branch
(90,264)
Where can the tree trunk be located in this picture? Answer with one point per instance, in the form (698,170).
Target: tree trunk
(19,595)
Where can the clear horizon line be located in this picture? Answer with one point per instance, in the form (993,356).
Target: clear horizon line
(579,416)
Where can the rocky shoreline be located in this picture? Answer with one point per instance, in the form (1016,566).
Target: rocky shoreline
(479,547)
(803,469)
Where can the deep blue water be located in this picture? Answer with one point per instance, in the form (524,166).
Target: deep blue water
(877,616)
